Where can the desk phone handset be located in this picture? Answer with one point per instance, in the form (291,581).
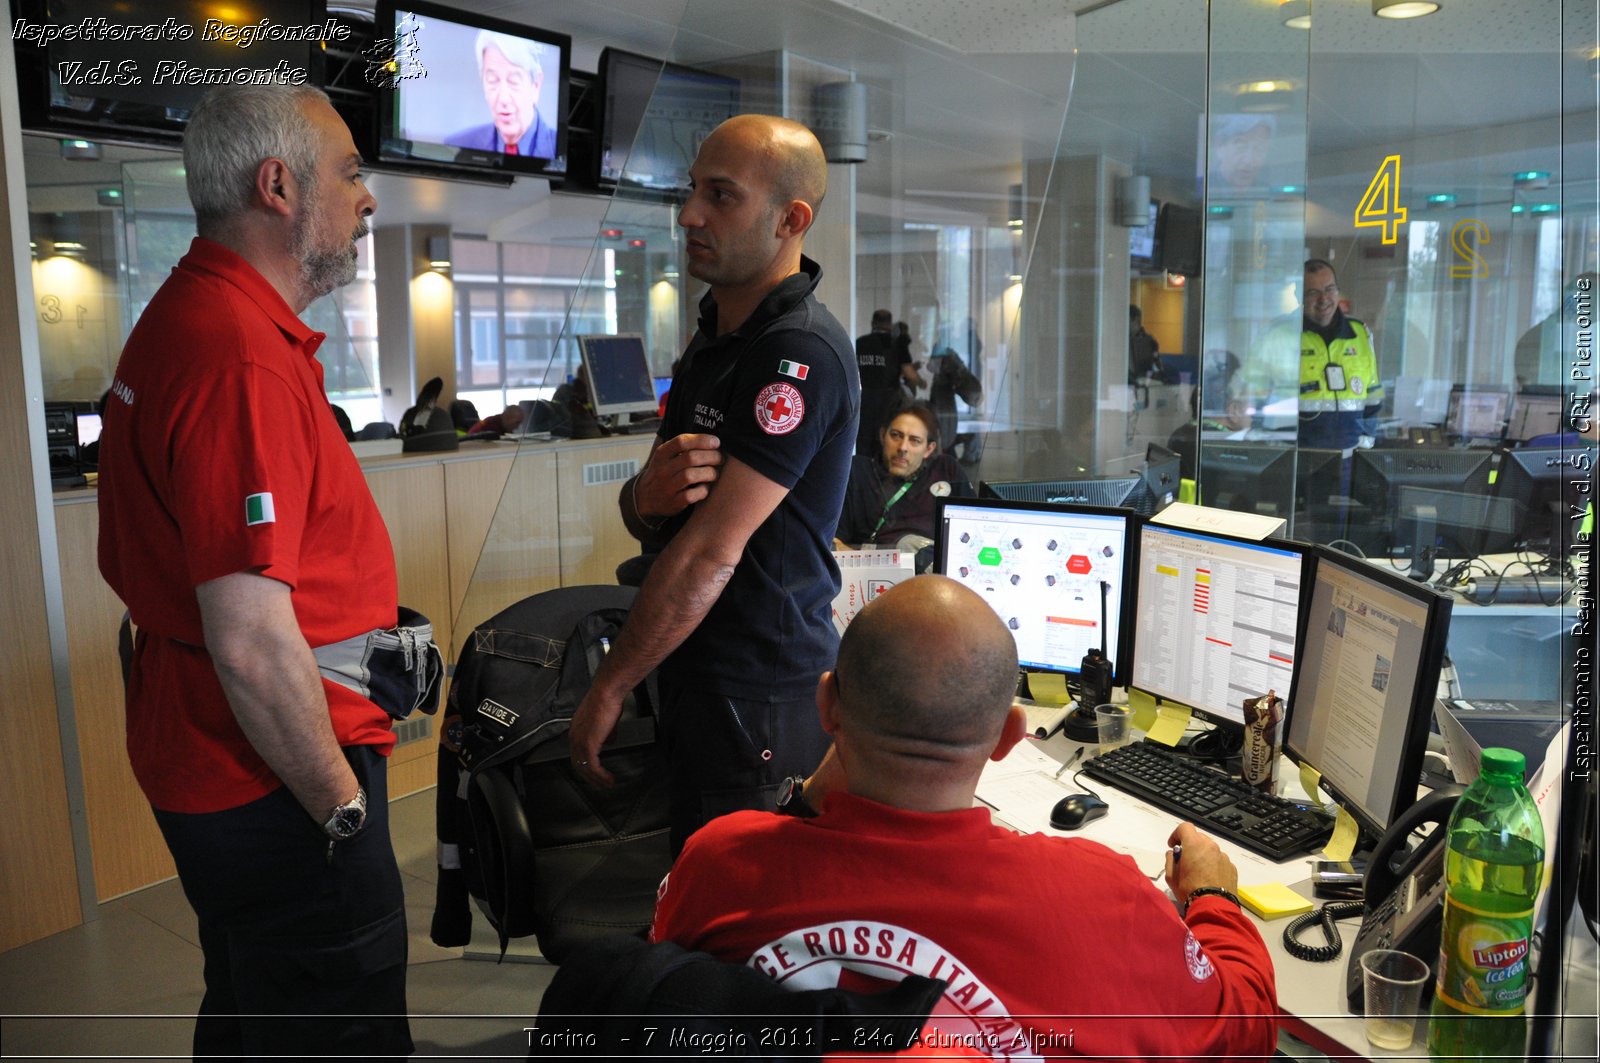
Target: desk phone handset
(1405,904)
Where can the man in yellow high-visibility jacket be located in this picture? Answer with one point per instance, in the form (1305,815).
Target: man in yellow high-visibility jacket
(1340,392)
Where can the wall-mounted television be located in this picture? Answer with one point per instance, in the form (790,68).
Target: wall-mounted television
(90,69)
(653,116)
(1142,250)
(1179,239)
(470,93)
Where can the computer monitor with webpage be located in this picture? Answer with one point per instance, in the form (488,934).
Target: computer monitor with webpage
(1055,573)
(1371,645)
(1477,412)
(1215,619)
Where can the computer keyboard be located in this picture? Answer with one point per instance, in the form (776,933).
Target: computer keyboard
(1273,827)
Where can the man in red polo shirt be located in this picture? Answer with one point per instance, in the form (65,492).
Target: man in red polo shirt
(236,525)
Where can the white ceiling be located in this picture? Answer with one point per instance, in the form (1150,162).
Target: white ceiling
(972,89)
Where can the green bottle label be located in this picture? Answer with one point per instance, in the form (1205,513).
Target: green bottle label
(1483,959)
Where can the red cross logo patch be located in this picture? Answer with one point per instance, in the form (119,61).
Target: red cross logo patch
(779,409)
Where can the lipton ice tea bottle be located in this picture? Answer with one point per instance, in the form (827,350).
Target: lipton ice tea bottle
(1492,869)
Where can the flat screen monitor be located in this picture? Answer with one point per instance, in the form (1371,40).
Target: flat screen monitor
(618,370)
(142,86)
(1536,412)
(472,93)
(1547,489)
(1129,491)
(1142,242)
(1056,574)
(1215,619)
(88,428)
(1371,646)
(1384,509)
(1179,236)
(653,117)
(1163,468)
(1248,477)
(1477,412)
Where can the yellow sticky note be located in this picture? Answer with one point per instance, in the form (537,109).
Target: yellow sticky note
(1310,779)
(1143,707)
(1343,842)
(1273,900)
(1171,722)
(1048,688)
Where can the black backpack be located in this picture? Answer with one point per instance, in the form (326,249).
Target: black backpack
(541,851)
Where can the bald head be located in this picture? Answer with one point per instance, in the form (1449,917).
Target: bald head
(796,165)
(929,669)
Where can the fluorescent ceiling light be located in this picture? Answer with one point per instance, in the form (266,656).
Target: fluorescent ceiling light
(1403,8)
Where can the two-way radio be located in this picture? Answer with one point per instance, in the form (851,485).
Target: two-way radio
(1094,682)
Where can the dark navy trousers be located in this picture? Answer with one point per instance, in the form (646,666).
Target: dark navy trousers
(305,949)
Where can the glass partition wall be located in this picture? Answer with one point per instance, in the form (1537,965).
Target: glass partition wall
(1011,189)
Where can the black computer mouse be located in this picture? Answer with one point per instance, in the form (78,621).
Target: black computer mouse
(1075,810)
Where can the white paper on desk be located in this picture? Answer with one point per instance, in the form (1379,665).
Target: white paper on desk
(1545,786)
(1045,720)
(1023,800)
(1462,749)
(1205,518)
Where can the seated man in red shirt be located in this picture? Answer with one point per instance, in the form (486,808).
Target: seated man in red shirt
(1050,945)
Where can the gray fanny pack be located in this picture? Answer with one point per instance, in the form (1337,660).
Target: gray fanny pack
(398,668)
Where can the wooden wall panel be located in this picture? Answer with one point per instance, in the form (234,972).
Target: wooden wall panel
(412,501)
(128,850)
(38,873)
(503,532)
(593,539)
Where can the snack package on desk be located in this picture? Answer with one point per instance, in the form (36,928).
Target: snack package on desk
(1263,734)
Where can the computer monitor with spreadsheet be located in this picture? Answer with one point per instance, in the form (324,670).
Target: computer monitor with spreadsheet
(1538,410)
(1371,645)
(1215,619)
(1055,573)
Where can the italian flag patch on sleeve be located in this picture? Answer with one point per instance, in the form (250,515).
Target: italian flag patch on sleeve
(258,509)
(794,369)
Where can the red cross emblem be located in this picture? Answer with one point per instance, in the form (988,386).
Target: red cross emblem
(779,409)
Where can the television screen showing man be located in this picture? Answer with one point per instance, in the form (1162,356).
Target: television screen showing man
(511,70)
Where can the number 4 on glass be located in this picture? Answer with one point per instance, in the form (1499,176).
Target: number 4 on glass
(1380,203)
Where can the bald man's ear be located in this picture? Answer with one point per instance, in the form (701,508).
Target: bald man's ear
(795,219)
(1014,730)
(828,702)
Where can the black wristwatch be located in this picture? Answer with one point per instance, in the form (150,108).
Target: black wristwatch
(346,820)
(792,798)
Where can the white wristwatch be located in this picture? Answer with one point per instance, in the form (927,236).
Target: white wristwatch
(346,820)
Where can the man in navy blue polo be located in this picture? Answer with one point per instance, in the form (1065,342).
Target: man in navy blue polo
(742,493)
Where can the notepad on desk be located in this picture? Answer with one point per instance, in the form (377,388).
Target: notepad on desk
(1273,900)
(1044,719)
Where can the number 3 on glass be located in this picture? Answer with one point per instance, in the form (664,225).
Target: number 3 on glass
(1380,203)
